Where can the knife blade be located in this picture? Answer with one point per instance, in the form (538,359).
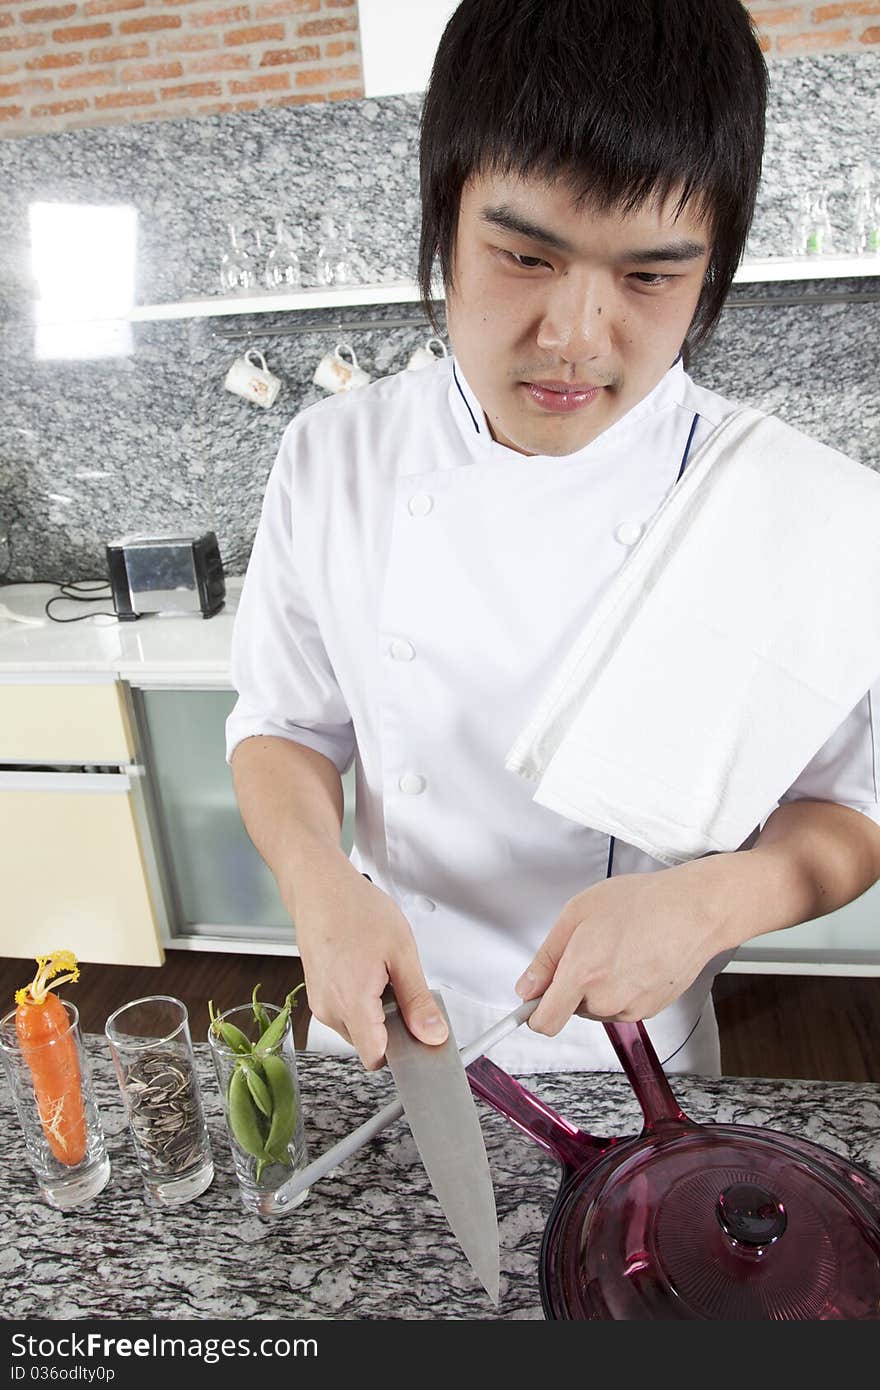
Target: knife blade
(441,1113)
(283,1199)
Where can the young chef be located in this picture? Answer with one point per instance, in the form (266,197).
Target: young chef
(430,545)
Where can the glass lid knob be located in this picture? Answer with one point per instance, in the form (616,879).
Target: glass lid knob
(750,1215)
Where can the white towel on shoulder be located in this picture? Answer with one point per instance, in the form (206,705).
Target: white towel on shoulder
(741,631)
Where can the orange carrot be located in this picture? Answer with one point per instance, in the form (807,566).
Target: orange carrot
(41,1018)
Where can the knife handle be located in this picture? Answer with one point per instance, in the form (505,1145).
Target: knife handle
(279,1201)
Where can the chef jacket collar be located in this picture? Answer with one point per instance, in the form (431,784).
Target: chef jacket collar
(471,419)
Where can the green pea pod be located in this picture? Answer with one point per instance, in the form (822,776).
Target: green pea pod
(290,1001)
(244,1118)
(277,1028)
(283,1121)
(233,1037)
(260,1016)
(256,1085)
(273,1034)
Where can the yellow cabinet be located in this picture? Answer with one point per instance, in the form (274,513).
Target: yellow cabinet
(82,724)
(76,857)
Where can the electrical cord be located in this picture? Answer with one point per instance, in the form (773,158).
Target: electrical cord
(237,558)
(69,593)
(68,588)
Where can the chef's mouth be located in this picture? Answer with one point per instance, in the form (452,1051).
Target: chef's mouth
(561,397)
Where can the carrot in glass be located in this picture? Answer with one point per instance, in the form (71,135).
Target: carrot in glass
(41,1018)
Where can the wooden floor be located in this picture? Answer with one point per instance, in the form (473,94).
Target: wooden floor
(812,1027)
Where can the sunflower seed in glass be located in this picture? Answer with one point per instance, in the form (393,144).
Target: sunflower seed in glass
(152,1053)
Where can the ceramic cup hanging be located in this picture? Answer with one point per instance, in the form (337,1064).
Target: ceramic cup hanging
(334,373)
(426,356)
(253,383)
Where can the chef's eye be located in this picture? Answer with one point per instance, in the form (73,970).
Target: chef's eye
(525,262)
(648,277)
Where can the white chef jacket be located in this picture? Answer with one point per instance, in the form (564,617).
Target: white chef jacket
(412,586)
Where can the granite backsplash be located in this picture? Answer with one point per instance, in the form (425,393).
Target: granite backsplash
(148,440)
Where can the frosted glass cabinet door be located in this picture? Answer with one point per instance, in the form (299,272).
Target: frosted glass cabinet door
(220,885)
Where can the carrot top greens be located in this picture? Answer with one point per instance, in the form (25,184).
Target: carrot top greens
(48,967)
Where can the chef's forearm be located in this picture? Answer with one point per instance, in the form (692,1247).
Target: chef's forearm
(811,858)
(291,802)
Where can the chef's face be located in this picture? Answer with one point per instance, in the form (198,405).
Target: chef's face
(564,318)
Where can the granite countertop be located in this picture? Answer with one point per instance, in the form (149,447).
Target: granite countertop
(370,1241)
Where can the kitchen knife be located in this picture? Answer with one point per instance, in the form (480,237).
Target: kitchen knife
(441,1113)
(282,1198)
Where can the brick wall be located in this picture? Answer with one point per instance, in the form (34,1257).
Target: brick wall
(789,31)
(108,62)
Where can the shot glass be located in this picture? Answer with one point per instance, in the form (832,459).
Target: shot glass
(52,1091)
(267,1148)
(152,1052)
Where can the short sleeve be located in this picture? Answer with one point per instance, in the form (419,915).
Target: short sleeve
(847,768)
(279,665)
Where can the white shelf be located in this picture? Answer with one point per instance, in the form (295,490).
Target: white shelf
(268,301)
(806,268)
(772,269)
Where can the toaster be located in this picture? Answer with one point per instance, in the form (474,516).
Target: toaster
(166,574)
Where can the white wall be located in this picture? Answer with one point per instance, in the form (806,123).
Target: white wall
(398,41)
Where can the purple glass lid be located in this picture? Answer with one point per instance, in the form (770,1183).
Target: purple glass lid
(691,1220)
(721,1222)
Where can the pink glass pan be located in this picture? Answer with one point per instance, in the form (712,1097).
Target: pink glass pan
(691,1220)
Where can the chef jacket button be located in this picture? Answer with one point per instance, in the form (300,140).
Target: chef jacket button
(424,904)
(420,504)
(402,650)
(411,783)
(628,532)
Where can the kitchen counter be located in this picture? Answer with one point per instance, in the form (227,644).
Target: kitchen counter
(173,649)
(370,1241)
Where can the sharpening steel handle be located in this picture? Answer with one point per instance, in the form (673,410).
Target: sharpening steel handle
(370,1128)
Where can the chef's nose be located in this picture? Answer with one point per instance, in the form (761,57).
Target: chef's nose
(576,319)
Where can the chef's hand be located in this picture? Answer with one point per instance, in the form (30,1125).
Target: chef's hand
(627,947)
(352,941)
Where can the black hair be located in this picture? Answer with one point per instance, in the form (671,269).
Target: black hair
(626,100)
